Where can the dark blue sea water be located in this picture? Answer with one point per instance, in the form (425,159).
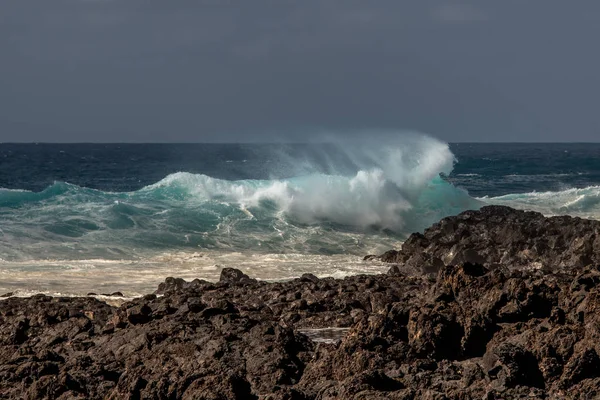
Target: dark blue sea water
(76,217)
(483,169)
(503,168)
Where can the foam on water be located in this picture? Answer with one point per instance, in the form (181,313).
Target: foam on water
(584,202)
(135,278)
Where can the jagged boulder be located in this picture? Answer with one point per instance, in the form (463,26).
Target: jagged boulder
(497,235)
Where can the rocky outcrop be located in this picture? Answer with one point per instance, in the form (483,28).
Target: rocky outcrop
(497,235)
(238,338)
(474,333)
(471,332)
(468,331)
(170,347)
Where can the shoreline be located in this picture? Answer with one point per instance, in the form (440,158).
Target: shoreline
(479,306)
(72,278)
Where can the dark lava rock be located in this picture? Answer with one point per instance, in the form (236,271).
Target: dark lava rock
(472,330)
(177,284)
(233,275)
(309,278)
(497,235)
(159,348)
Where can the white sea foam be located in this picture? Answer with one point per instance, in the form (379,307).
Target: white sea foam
(584,203)
(135,278)
(391,178)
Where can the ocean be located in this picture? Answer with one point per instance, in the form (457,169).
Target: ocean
(80,218)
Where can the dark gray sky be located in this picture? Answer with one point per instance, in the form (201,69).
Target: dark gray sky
(233,70)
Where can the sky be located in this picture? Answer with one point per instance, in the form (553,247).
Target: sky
(233,70)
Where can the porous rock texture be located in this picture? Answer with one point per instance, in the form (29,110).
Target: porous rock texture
(466,331)
(497,235)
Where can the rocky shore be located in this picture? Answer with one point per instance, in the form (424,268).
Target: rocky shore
(490,304)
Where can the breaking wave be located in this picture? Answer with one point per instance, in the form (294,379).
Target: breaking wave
(358,198)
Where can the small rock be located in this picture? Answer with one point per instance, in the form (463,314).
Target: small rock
(309,278)
(233,275)
(139,314)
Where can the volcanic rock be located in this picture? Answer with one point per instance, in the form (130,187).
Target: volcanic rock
(475,329)
(500,236)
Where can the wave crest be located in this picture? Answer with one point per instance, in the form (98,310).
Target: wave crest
(388,182)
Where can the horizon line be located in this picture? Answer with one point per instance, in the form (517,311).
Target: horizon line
(273,142)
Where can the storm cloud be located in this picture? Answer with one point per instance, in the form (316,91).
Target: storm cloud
(227,70)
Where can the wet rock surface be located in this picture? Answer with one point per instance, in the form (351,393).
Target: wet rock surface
(467,330)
